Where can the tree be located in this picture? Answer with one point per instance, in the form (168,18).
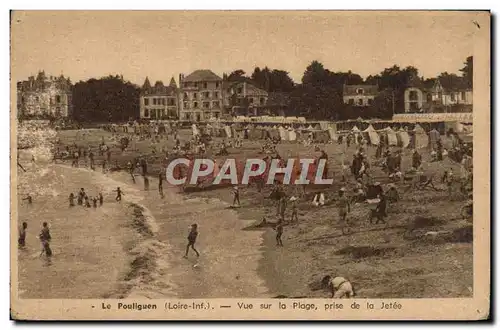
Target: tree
(315,74)
(468,71)
(237,75)
(396,80)
(107,99)
(272,80)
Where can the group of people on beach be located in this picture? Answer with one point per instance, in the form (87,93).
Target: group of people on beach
(84,199)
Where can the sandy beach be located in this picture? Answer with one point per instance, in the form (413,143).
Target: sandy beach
(133,248)
(144,236)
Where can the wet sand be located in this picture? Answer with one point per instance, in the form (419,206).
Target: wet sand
(134,248)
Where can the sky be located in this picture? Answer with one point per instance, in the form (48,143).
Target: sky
(162,44)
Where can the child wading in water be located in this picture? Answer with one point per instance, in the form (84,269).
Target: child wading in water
(45,238)
(119,194)
(193,234)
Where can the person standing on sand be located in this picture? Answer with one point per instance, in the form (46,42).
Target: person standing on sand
(236,194)
(343,206)
(279,233)
(339,286)
(22,235)
(101,199)
(71,199)
(295,214)
(193,234)
(45,238)
(160,183)
(146,183)
(131,169)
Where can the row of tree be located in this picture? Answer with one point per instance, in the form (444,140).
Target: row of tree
(318,96)
(320,93)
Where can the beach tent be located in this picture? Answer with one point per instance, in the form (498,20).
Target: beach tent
(404,138)
(420,137)
(292,135)
(228,131)
(283,133)
(372,135)
(332,134)
(355,130)
(434,136)
(392,139)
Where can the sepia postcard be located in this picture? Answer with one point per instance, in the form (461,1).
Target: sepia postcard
(250,165)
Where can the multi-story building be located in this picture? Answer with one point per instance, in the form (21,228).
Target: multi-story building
(159,101)
(200,96)
(445,94)
(360,95)
(43,96)
(243,98)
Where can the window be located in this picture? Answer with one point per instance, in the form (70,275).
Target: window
(429,98)
(206,95)
(452,97)
(146,112)
(146,101)
(360,102)
(185,95)
(240,90)
(216,95)
(162,112)
(217,84)
(360,91)
(351,101)
(58,98)
(153,114)
(250,100)
(154,100)
(171,101)
(206,105)
(196,85)
(262,100)
(440,96)
(195,105)
(186,105)
(216,104)
(229,90)
(205,85)
(58,112)
(413,96)
(370,101)
(195,96)
(463,96)
(37,99)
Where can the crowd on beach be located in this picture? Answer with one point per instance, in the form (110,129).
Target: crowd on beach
(357,180)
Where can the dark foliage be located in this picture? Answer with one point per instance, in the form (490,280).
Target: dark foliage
(108,99)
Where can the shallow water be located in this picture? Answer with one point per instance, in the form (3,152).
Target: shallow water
(94,248)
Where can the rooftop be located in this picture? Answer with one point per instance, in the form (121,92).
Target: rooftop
(202,75)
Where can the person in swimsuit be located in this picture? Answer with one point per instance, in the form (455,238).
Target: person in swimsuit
(193,234)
